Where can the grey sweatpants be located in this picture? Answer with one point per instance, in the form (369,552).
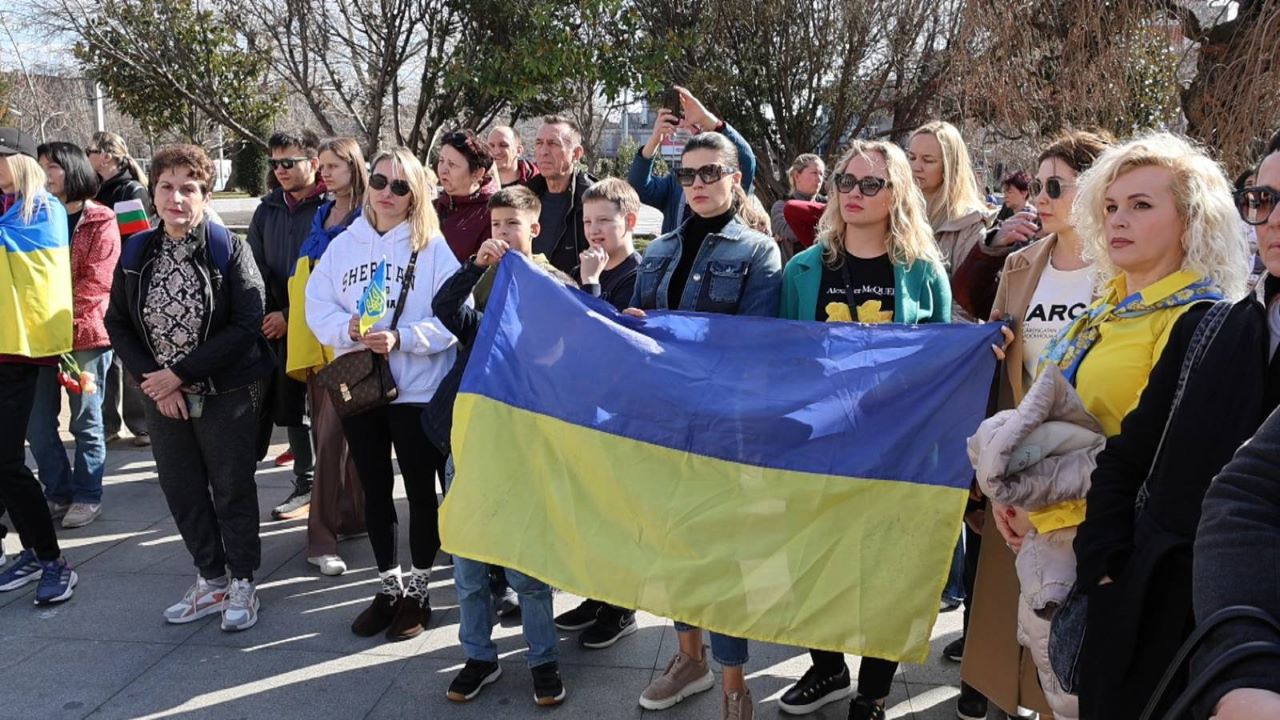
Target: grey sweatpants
(206,467)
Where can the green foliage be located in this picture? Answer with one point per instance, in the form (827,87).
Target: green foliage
(249,169)
(160,60)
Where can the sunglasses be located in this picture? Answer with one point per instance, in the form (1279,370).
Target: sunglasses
(1256,204)
(709,174)
(1053,187)
(399,188)
(286,163)
(869,185)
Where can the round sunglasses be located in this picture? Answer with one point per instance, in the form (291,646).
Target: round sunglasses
(709,174)
(399,188)
(869,185)
(1256,204)
(1052,187)
(286,163)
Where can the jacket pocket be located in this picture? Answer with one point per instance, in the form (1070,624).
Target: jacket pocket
(722,286)
(649,278)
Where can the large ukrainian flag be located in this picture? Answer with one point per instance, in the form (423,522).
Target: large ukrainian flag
(35,281)
(800,483)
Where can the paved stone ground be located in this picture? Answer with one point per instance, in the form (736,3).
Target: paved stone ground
(107,653)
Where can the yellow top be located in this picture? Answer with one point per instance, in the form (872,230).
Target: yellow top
(1114,373)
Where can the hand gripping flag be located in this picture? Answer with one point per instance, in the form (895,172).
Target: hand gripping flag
(792,482)
(373,304)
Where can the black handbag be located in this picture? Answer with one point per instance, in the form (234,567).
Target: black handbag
(360,381)
(1067,629)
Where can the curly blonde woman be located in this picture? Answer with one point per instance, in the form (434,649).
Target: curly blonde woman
(874,261)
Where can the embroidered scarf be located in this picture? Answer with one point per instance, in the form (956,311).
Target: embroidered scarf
(1068,349)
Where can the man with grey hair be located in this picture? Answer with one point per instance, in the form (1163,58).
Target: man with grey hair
(558,150)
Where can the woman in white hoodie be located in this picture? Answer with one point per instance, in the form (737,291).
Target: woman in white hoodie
(399,226)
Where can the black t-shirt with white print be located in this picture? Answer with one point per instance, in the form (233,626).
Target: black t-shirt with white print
(859,289)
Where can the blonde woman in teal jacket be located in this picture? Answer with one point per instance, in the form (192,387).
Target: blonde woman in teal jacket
(874,261)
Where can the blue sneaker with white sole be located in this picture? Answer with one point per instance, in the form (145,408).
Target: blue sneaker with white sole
(24,569)
(57,582)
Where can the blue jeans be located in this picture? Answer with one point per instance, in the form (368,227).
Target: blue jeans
(475,604)
(728,651)
(62,482)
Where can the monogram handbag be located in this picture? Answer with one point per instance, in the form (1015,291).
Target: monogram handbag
(361,381)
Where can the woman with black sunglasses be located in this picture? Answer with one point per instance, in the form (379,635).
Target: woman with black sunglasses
(712,263)
(874,261)
(1043,288)
(399,227)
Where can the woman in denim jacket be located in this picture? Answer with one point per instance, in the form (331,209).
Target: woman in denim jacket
(712,263)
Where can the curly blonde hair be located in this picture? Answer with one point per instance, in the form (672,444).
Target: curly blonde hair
(910,236)
(1212,238)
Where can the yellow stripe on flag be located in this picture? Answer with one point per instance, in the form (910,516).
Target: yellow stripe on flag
(852,565)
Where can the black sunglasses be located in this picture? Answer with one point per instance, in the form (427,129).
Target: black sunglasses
(869,185)
(709,174)
(1053,187)
(286,163)
(1257,203)
(399,188)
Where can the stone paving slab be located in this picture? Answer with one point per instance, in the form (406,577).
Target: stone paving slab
(108,654)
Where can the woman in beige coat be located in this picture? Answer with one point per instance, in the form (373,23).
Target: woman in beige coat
(1042,288)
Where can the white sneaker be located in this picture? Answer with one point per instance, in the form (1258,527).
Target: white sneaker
(241,610)
(81,514)
(203,599)
(329,564)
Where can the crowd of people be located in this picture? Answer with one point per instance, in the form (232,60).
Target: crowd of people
(1138,289)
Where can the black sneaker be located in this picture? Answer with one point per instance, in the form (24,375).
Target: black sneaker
(581,617)
(971,705)
(296,506)
(611,625)
(954,651)
(547,688)
(864,708)
(815,689)
(472,679)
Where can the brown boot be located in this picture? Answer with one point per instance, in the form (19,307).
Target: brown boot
(380,613)
(411,619)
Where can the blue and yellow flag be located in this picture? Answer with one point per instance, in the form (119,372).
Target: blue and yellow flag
(799,483)
(35,281)
(373,304)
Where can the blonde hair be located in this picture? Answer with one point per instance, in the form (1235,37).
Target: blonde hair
(959,195)
(617,191)
(751,211)
(909,238)
(800,164)
(1212,238)
(424,224)
(114,146)
(28,184)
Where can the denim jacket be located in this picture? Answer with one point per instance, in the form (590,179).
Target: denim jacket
(738,271)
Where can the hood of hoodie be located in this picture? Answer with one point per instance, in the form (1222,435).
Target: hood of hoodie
(448,203)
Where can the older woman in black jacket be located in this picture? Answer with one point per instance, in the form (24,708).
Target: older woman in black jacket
(1135,547)
(186,317)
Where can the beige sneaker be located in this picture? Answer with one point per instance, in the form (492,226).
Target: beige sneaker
(683,677)
(81,514)
(737,706)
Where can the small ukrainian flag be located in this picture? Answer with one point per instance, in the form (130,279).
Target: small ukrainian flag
(373,305)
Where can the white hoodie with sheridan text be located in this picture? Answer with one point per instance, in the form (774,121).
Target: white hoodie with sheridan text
(427,350)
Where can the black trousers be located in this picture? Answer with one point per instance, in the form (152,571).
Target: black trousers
(206,467)
(371,435)
(124,402)
(20,493)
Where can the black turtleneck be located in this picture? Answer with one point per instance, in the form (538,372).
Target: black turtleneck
(695,231)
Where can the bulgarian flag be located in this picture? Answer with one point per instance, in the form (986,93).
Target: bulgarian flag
(131,217)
